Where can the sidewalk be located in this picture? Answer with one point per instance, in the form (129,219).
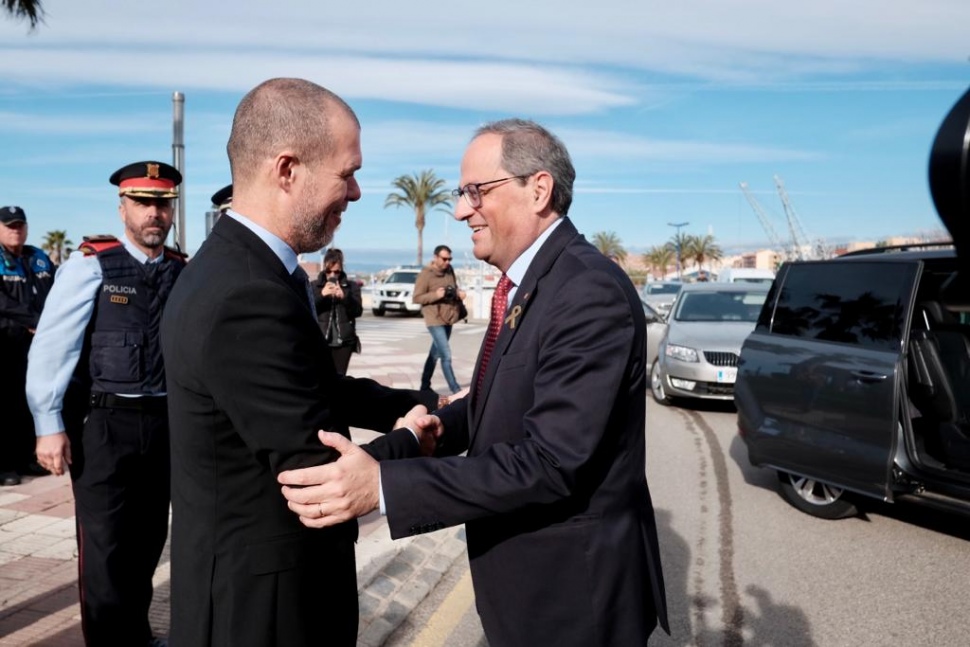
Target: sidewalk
(38,562)
(38,570)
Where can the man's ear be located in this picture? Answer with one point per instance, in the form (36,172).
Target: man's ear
(542,190)
(285,169)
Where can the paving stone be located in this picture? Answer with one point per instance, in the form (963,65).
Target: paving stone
(398,569)
(60,548)
(382,586)
(7,498)
(7,515)
(30,523)
(63,528)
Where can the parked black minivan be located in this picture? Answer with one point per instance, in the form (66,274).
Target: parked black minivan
(856,381)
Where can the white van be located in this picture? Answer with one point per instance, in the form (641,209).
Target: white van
(745,275)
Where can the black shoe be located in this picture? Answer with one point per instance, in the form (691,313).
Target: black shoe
(9,478)
(33,468)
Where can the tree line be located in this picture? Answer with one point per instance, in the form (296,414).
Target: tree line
(679,252)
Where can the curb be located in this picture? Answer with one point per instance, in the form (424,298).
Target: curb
(397,579)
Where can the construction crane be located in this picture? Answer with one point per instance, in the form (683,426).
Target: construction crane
(798,238)
(812,248)
(759,211)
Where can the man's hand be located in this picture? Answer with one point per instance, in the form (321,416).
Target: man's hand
(429,430)
(54,452)
(408,419)
(335,492)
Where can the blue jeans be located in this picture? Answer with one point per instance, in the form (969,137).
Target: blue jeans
(439,350)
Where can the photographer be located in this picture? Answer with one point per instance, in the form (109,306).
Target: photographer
(437,291)
(338,305)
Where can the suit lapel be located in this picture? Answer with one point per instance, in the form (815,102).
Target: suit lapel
(236,233)
(518,309)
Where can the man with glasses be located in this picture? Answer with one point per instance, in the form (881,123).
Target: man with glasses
(26,275)
(562,540)
(96,387)
(437,291)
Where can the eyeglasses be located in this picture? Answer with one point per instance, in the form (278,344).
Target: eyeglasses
(446,259)
(334,272)
(473,192)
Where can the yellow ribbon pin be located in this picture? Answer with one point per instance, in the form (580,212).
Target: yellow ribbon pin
(513,317)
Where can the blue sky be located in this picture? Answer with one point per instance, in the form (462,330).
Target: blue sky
(664,108)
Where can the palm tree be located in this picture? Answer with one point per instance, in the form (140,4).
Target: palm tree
(29,9)
(610,245)
(680,243)
(54,244)
(702,248)
(421,193)
(659,258)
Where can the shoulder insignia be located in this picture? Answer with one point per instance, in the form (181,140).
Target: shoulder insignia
(175,254)
(98,244)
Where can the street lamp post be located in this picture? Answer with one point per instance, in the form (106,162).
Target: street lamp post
(677,226)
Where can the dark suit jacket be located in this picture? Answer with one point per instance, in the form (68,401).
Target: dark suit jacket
(562,540)
(250,381)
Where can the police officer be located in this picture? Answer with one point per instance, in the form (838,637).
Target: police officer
(26,276)
(99,336)
(222,199)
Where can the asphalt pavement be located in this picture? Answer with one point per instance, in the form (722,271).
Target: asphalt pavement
(38,550)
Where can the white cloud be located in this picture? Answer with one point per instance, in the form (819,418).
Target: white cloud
(567,58)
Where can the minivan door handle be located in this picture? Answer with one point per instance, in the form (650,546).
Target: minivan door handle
(869,376)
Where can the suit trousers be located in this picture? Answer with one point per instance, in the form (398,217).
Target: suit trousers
(120,475)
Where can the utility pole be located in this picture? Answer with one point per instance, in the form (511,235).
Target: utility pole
(677,226)
(178,161)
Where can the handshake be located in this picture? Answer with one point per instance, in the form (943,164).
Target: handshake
(347,488)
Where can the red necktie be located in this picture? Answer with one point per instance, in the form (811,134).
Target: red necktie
(500,301)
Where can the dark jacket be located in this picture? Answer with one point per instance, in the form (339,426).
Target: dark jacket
(337,317)
(250,382)
(562,541)
(24,284)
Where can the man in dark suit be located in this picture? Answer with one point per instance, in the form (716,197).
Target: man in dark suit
(250,381)
(562,540)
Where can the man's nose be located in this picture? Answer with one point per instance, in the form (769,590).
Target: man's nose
(462,210)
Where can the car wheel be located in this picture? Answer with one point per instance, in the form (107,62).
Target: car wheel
(657,384)
(378,312)
(816,498)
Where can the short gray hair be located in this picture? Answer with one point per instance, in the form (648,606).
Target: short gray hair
(528,148)
(281,114)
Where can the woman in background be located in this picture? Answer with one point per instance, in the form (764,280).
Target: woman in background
(338,306)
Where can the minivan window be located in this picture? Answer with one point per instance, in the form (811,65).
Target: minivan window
(853,303)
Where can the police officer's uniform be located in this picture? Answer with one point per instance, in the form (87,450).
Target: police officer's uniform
(25,280)
(96,372)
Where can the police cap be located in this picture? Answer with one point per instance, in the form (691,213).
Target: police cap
(147,180)
(222,198)
(12,214)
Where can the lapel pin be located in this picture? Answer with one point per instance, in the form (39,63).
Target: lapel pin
(513,317)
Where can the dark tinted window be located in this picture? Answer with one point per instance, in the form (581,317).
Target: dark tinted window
(853,303)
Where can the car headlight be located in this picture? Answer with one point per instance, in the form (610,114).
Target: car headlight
(683,353)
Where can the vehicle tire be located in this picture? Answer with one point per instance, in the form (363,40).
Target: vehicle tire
(657,384)
(816,498)
(378,312)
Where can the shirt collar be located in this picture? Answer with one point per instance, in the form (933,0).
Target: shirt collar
(139,255)
(283,251)
(518,268)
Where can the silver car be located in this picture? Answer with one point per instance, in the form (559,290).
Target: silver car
(699,343)
(660,294)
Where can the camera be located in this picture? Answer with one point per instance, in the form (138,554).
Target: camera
(450,292)
(332,279)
